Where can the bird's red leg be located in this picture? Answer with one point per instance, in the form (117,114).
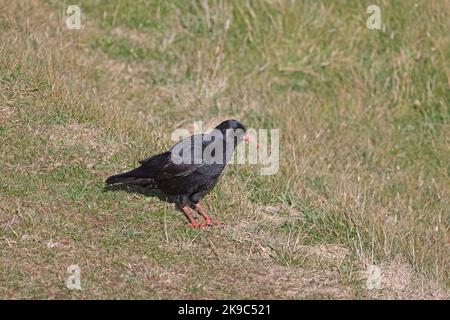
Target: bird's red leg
(193,223)
(207,218)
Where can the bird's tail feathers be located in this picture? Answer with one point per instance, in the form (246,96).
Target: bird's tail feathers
(134,176)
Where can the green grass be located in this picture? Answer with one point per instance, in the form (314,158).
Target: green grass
(364,118)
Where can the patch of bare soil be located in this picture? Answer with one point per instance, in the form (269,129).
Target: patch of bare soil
(266,280)
(278,214)
(398,280)
(91,143)
(6,112)
(135,36)
(330,252)
(91,138)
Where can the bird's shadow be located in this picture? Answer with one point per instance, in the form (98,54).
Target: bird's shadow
(136,189)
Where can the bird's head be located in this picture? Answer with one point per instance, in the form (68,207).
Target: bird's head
(233,129)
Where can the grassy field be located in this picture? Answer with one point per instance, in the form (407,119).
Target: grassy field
(365,148)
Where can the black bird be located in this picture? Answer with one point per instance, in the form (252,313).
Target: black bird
(190,169)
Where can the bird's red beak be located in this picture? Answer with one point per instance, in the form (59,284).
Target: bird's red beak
(249,138)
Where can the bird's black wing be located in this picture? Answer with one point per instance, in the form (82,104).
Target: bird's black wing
(179,161)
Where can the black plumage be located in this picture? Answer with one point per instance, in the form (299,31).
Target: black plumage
(188,170)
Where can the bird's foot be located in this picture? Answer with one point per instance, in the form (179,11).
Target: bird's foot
(209,222)
(192,222)
(206,218)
